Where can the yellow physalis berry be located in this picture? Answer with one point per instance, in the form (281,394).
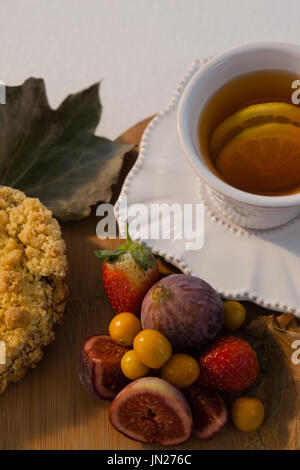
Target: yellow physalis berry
(124,327)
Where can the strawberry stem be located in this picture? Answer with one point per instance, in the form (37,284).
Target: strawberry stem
(127,232)
(141,255)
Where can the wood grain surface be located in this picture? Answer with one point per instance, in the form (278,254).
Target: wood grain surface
(49,409)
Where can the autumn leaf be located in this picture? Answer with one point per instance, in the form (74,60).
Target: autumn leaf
(54,154)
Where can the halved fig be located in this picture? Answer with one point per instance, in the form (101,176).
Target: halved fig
(99,366)
(153,411)
(208,409)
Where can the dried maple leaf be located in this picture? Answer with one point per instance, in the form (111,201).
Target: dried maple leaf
(54,154)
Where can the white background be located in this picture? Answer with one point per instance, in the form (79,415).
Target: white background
(139,48)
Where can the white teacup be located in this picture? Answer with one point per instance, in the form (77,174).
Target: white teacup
(245,209)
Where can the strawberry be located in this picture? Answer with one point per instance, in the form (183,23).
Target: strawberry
(229,364)
(128,273)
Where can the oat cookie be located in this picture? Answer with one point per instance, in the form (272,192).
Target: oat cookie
(33,293)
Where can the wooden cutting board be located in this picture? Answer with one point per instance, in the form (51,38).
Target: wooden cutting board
(49,409)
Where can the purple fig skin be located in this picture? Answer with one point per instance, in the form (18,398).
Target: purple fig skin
(85,371)
(209,411)
(153,411)
(99,366)
(186,309)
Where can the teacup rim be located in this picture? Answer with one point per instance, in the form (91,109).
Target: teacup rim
(188,148)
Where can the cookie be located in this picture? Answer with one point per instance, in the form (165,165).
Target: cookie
(33,292)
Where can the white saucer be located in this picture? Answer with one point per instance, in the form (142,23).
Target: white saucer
(260,266)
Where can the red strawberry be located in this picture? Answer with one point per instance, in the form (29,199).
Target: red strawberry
(229,364)
(128,273)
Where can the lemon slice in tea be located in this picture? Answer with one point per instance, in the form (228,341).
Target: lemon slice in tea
(263,159)
(250,116)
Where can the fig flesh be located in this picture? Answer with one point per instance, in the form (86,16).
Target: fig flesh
(208,409)
(187,310)
(153,411)
(99,366)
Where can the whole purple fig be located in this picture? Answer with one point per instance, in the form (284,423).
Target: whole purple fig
(186,309)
